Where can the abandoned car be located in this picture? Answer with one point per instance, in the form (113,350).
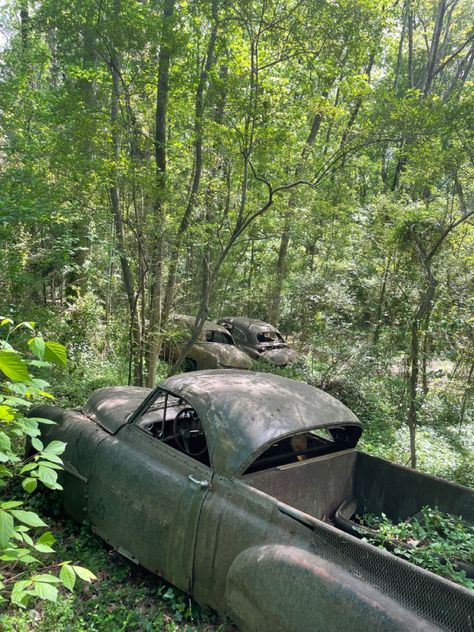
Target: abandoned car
(214,347)
(232,484)
(260,340)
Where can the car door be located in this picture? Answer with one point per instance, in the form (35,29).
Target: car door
(145,498)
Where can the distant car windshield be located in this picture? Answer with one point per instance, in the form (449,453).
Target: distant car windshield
(215,335)
(269,336)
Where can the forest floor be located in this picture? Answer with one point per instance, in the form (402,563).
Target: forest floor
(125,597)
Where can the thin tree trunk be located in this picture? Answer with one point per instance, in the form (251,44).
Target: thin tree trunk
(280,270)
(381,302)
(75,279)
(433,55)
(164,59)
(198,157)
(114,193)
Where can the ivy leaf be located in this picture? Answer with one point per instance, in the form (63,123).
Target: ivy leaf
(55,352)
(13,366)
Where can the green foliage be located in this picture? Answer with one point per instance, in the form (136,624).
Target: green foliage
(126,597)
(432,539)
(25,576)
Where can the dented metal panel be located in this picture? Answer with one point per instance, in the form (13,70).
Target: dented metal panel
(261,548)
(243,411)
(110,407)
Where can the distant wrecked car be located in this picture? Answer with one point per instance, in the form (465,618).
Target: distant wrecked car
(240,488)
(260,340)
(214,348)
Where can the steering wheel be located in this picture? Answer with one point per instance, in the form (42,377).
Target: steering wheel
(186,427)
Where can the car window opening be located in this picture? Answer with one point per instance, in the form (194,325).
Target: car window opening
(269,336)
(307,445)
(173,421)
(213,335)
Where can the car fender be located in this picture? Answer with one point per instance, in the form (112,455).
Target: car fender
(82,436)
(278,588)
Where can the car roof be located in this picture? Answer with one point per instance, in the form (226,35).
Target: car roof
(207,326)
(249,323)
(242,412)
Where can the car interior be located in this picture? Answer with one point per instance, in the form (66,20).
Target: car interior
(305,446)
(173,421)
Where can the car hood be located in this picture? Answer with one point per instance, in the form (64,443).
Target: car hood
(228,356)
(111,406)
(281,356)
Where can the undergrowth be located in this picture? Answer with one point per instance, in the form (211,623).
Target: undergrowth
(437,541)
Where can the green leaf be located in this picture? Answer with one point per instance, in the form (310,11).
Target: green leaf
(6,528)
(84,573)
(68,577)
(43,548)
(46,577)
(37,444)
(28,517)
(16,401)
(26,324)
(37,346)
(11,504)
(55,352)
(28,467)
(4,458)
(51,457)
(47,476)
(46,538)
(5,413)
(29,427)
(55,447)
(5,442)
(39,363)
(46,591)
(13,366)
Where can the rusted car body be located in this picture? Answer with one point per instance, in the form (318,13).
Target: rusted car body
(229,483)
(260,340)
(214,348)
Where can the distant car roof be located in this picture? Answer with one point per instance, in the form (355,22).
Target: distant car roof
(208,324)
(249,323)
(244,411)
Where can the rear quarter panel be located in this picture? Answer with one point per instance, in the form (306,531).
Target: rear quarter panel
(278,588)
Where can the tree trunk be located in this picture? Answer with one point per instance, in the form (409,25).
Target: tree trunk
(164,59)
(433,55)
(114,194)
(280,270)
(198,142)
